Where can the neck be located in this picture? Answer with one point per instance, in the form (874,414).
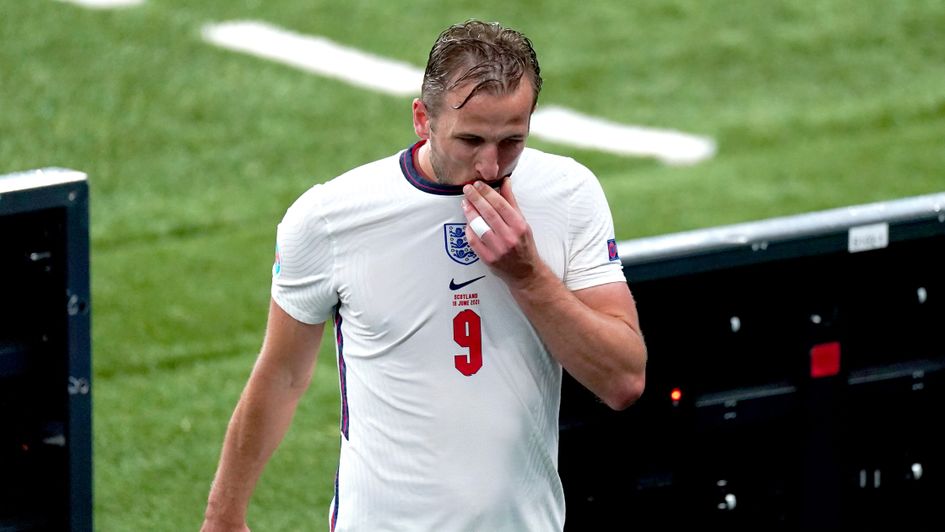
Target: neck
(424,166)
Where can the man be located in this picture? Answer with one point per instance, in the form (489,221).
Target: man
(462,274)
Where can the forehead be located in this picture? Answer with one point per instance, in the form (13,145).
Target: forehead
(487,109)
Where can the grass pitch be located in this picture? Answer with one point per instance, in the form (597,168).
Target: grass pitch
(194,153)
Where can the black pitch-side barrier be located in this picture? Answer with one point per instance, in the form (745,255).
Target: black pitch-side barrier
(796,380)
(45,364)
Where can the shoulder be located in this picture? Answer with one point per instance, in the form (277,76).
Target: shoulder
(545,179)
(354,183)
(552,168)
(543,159)
(362,178)
(553,173)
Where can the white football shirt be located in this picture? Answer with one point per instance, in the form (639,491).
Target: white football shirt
(449,399)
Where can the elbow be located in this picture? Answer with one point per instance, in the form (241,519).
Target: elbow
(626,391)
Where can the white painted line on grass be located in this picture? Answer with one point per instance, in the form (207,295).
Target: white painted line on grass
(104,4)
(317,55)
(555,124)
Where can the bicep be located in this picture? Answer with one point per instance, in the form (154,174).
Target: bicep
(611,299)
(290,349)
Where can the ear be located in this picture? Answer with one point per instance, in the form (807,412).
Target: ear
(421,119)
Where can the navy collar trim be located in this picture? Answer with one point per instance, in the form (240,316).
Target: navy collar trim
(408,165)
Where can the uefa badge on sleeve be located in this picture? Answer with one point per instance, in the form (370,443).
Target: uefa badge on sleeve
(277,263)
(457,247)
(612,250)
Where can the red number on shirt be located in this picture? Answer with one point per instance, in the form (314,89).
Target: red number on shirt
(467,332)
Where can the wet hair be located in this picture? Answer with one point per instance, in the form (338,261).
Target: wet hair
(486,55)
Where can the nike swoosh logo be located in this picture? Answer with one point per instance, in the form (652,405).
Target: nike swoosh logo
(457,286)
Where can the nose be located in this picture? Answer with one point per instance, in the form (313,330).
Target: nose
(487,162)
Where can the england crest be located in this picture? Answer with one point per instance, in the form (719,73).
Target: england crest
(457,247)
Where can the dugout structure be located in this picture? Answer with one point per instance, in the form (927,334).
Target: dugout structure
(796,380)
(45,363)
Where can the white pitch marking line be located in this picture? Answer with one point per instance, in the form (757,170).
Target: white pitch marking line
(317,55)
(555,124)
(104,4)
(565,126)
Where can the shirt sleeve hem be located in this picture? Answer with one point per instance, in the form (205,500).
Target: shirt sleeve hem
(596,280)
(297,313)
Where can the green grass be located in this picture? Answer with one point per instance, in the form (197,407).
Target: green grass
(194,153)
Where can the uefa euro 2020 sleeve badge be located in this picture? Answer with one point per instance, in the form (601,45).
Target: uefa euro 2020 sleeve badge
(277,263)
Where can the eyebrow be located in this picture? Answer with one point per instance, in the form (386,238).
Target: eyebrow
(468,135)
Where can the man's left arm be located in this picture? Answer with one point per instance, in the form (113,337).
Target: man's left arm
(594,333)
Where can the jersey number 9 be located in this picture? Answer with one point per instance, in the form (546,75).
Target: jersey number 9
(467,332)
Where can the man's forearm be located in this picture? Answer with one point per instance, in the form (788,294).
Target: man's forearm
(258,425)
(604,352)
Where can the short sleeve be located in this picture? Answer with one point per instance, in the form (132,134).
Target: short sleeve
(302,275)
(592,255)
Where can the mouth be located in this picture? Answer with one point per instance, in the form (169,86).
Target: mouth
(494,183)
